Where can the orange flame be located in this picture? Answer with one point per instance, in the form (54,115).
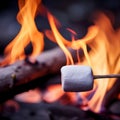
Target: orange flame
(59,39)
(104,56)
(63,43)
(28,33)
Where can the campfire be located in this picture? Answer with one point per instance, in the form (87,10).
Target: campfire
(96,53)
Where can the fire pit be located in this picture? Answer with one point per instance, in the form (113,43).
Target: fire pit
(30,65)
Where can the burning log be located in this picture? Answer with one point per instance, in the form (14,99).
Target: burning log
(24,71)
(77,78)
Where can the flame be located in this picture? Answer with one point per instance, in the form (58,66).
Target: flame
(104,55)
(105,51)
(61,41)
(27,34)
(101,38)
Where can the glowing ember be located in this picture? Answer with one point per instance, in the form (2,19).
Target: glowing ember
(55,91)
(32,96)
(103,57)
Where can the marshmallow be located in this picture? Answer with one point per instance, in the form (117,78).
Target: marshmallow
(76,78)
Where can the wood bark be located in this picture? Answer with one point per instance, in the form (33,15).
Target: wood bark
(14,78)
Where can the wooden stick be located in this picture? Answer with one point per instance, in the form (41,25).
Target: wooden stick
(106,76)
(22,72)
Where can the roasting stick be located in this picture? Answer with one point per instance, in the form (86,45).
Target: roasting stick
(78,78)
(106,76)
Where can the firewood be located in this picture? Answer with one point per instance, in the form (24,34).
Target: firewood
(24,71)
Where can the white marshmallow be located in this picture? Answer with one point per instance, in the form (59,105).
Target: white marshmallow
(76,78)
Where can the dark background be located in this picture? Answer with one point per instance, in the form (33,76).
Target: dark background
(75,14)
